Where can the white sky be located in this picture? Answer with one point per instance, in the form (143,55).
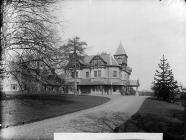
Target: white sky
(147,28)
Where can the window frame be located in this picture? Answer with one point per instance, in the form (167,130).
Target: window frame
(87,74)
(114,89)
(99,73)
(14,86)
(115,73)
(73,74)
(95,73)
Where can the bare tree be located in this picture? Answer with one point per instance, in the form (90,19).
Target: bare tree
(29,42)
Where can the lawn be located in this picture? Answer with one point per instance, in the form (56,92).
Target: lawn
(29,108)
(156,117)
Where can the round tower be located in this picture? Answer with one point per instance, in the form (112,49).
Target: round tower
(121,56)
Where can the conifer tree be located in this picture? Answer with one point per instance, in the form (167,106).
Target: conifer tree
(165,87)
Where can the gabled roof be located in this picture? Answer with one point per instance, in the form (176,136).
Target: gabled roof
(88,58)
(120,50)
(108,58)
(98,56)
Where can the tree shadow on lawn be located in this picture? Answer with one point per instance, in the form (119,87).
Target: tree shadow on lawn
(156,117)
(178,114)
(27,109)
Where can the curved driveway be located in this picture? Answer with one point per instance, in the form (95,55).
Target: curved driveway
(97,119)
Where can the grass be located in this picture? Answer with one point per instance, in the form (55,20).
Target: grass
(23,109)
(157,117)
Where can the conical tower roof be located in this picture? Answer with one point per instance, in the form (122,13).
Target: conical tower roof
(120,50)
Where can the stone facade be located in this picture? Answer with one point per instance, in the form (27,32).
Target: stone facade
(101,74)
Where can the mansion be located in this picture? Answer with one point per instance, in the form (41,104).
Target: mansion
(101,74)
(96,74)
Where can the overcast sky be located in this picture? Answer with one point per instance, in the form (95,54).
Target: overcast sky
(147,28)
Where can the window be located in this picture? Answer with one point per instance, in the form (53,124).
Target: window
(72,75)
(95,73)
(96,64)
(99,73)
(87,74)
(114,73)
(14,86)
(114,89)
(93,88)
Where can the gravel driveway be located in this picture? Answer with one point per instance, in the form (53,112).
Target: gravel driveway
(102,118)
